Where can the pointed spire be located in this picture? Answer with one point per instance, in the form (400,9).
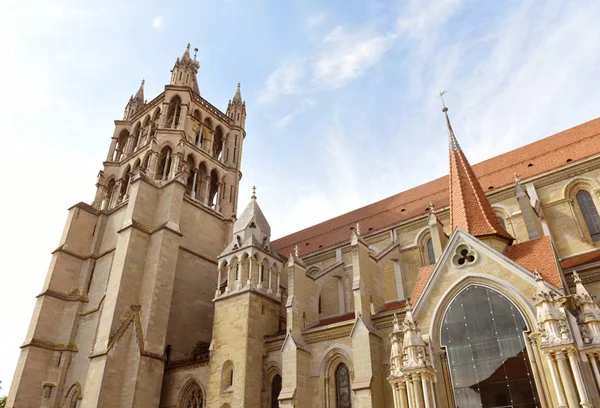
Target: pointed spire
(140,93)
(238,94)
(469,207)
(186,53)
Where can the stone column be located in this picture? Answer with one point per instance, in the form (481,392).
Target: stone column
(562,403)
(193,192)
(261,268)
(326,392)
(115,194)
(111,150)
(402,396)
(182,116)
(395,395)
(410,392)
(565,376)
(416,379)
(250,271)
(594,363)
(269,289)
(238,275)
(229,278)
(218,199)
(167,162)
(425,385)
(174,165)
(277,289)
(211,139)
(218,291)
(584,399)
(206,189)
(538,371)
(100,194)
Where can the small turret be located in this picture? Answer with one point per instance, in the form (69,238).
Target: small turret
(185,70)
(135,103)
(589,313)
(236,108)
(551,319)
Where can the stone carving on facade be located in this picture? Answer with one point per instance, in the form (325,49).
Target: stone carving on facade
(550,315)
(589,313)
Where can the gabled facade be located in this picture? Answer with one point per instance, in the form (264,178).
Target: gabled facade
(476,289)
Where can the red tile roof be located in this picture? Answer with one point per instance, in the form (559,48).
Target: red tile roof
(531,160)
(469,207)
(335,319)
(537,254)
(398,304)
(422,278)
(580,260)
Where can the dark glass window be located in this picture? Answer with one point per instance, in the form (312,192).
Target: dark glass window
(501,221)
(430,253)
(275,390)
(342,387)
(483,335)
(194,398)
(590,214)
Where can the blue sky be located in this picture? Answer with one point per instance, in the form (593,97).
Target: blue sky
(340,97)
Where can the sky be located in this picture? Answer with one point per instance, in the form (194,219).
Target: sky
(340,95)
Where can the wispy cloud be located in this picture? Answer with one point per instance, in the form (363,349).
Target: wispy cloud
(283,81)
(347,56)
(316,20)
(158,22)
(284,121)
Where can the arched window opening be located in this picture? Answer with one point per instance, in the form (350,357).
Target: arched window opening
(74,400)
(227,376)
(483,335)
(275,391)
(320,305)
(136,138)
(201,182)
(173,113)
(146,162)
(214,188)
(590,213)
(218,143)
(124,192)
(237,271)
(119,152)
(430,253)
(154,123)
(110,189)
(164,164)
(342,387)
(192,178)
(501,221)
(206,135)
(192,397)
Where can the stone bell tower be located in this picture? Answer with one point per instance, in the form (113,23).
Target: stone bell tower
(130,286)
(247,308)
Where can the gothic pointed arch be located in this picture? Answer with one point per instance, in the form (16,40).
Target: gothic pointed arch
(343,391)
(334,357)
(192,395)
(73,396)
(173,112)
(482,333)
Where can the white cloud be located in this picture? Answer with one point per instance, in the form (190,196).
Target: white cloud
(283,81)
(284,121)
(316,20)
(420,18)
(158,22)
(347,56)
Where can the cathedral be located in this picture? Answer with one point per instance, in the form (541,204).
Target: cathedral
(473,290)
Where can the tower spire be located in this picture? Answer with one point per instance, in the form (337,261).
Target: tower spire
(139,95)
(185,70)
(469,207)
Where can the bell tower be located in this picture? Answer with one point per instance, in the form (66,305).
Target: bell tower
(130,287)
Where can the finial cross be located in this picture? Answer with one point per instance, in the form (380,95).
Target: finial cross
(441,96)
(296,251)
(253,192)
(517,177)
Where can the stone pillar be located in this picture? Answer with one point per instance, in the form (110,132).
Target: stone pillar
(402,396)
(182,116)
(167,162)
(100,195)
(206,189)
(538,371)
(594,364)
(261,268)
(269,290)
(174,165)
(193,192)
(218,199)
(584,399)
(565,376)
(211,138)
(277,289)
(249,283)
(111,150)
(326,392)
(416,380)
(425,385)
(218,291)
(411,393)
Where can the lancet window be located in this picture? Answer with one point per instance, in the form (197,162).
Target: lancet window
(489,366)
(173,113)
(164,164)
(342,387)
(275,391)
(430,253)
(590,213)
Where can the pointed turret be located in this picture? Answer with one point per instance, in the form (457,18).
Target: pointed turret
(135,103)
(236,108)
(589,312)
(469,208)
(185,70)
(528,212)
(550,317)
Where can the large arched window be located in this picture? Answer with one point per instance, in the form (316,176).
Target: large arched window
(342,387)
(483,335)
(275,390)
(590,213)
(192,396)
